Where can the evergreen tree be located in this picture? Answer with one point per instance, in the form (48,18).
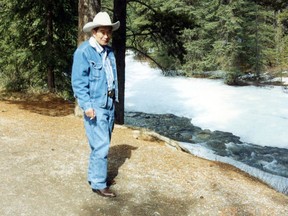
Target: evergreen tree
(282,39)
(38,38)
(14,59)
(43,33)
(231,36)
(154,30)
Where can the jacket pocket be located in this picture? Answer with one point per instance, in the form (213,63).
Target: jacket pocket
(95,70)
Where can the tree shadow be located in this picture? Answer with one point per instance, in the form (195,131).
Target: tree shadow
(50,108)
(117,157)
(44,104)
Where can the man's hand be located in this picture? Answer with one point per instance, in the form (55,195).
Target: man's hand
(90,113)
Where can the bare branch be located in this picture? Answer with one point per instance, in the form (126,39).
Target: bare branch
(142,3)
(147,56)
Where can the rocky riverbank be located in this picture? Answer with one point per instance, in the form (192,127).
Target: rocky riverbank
(268,159)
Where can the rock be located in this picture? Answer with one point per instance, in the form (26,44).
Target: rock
(222,143)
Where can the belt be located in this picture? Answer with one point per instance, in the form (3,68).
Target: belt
(111,93)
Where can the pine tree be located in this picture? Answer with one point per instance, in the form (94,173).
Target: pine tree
(43,33)
(155,29)
(282,39)
(235,36)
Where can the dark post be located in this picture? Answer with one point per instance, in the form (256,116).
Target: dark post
(119,46)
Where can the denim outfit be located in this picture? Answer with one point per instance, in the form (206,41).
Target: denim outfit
(90,86)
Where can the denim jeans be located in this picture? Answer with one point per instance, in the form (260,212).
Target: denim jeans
(98,132)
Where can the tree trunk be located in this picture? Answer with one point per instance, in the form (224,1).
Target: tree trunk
(49,26)
(87,9)
(119,45)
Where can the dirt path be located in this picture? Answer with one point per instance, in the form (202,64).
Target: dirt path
(43,171)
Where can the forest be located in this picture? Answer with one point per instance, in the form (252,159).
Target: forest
(181,37)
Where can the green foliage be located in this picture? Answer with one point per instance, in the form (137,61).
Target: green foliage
(282,39)
(178,35)
(196,36)
(235,36)
(155,28)
(29,49)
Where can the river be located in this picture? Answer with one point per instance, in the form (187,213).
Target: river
(258,115)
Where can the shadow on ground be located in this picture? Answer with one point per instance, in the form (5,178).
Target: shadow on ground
(117,157)
(132,201)
(127,204)
(45,104)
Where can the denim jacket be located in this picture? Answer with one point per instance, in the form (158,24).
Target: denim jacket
(88,78)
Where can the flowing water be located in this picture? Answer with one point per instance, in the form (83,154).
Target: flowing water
(258,115)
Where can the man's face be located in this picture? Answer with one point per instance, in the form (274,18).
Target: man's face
(103,35)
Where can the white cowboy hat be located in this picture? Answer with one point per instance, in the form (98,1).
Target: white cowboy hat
(101,19)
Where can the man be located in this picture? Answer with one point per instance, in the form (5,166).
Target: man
(94,82)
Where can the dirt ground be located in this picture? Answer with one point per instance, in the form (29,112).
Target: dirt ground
(44,156)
